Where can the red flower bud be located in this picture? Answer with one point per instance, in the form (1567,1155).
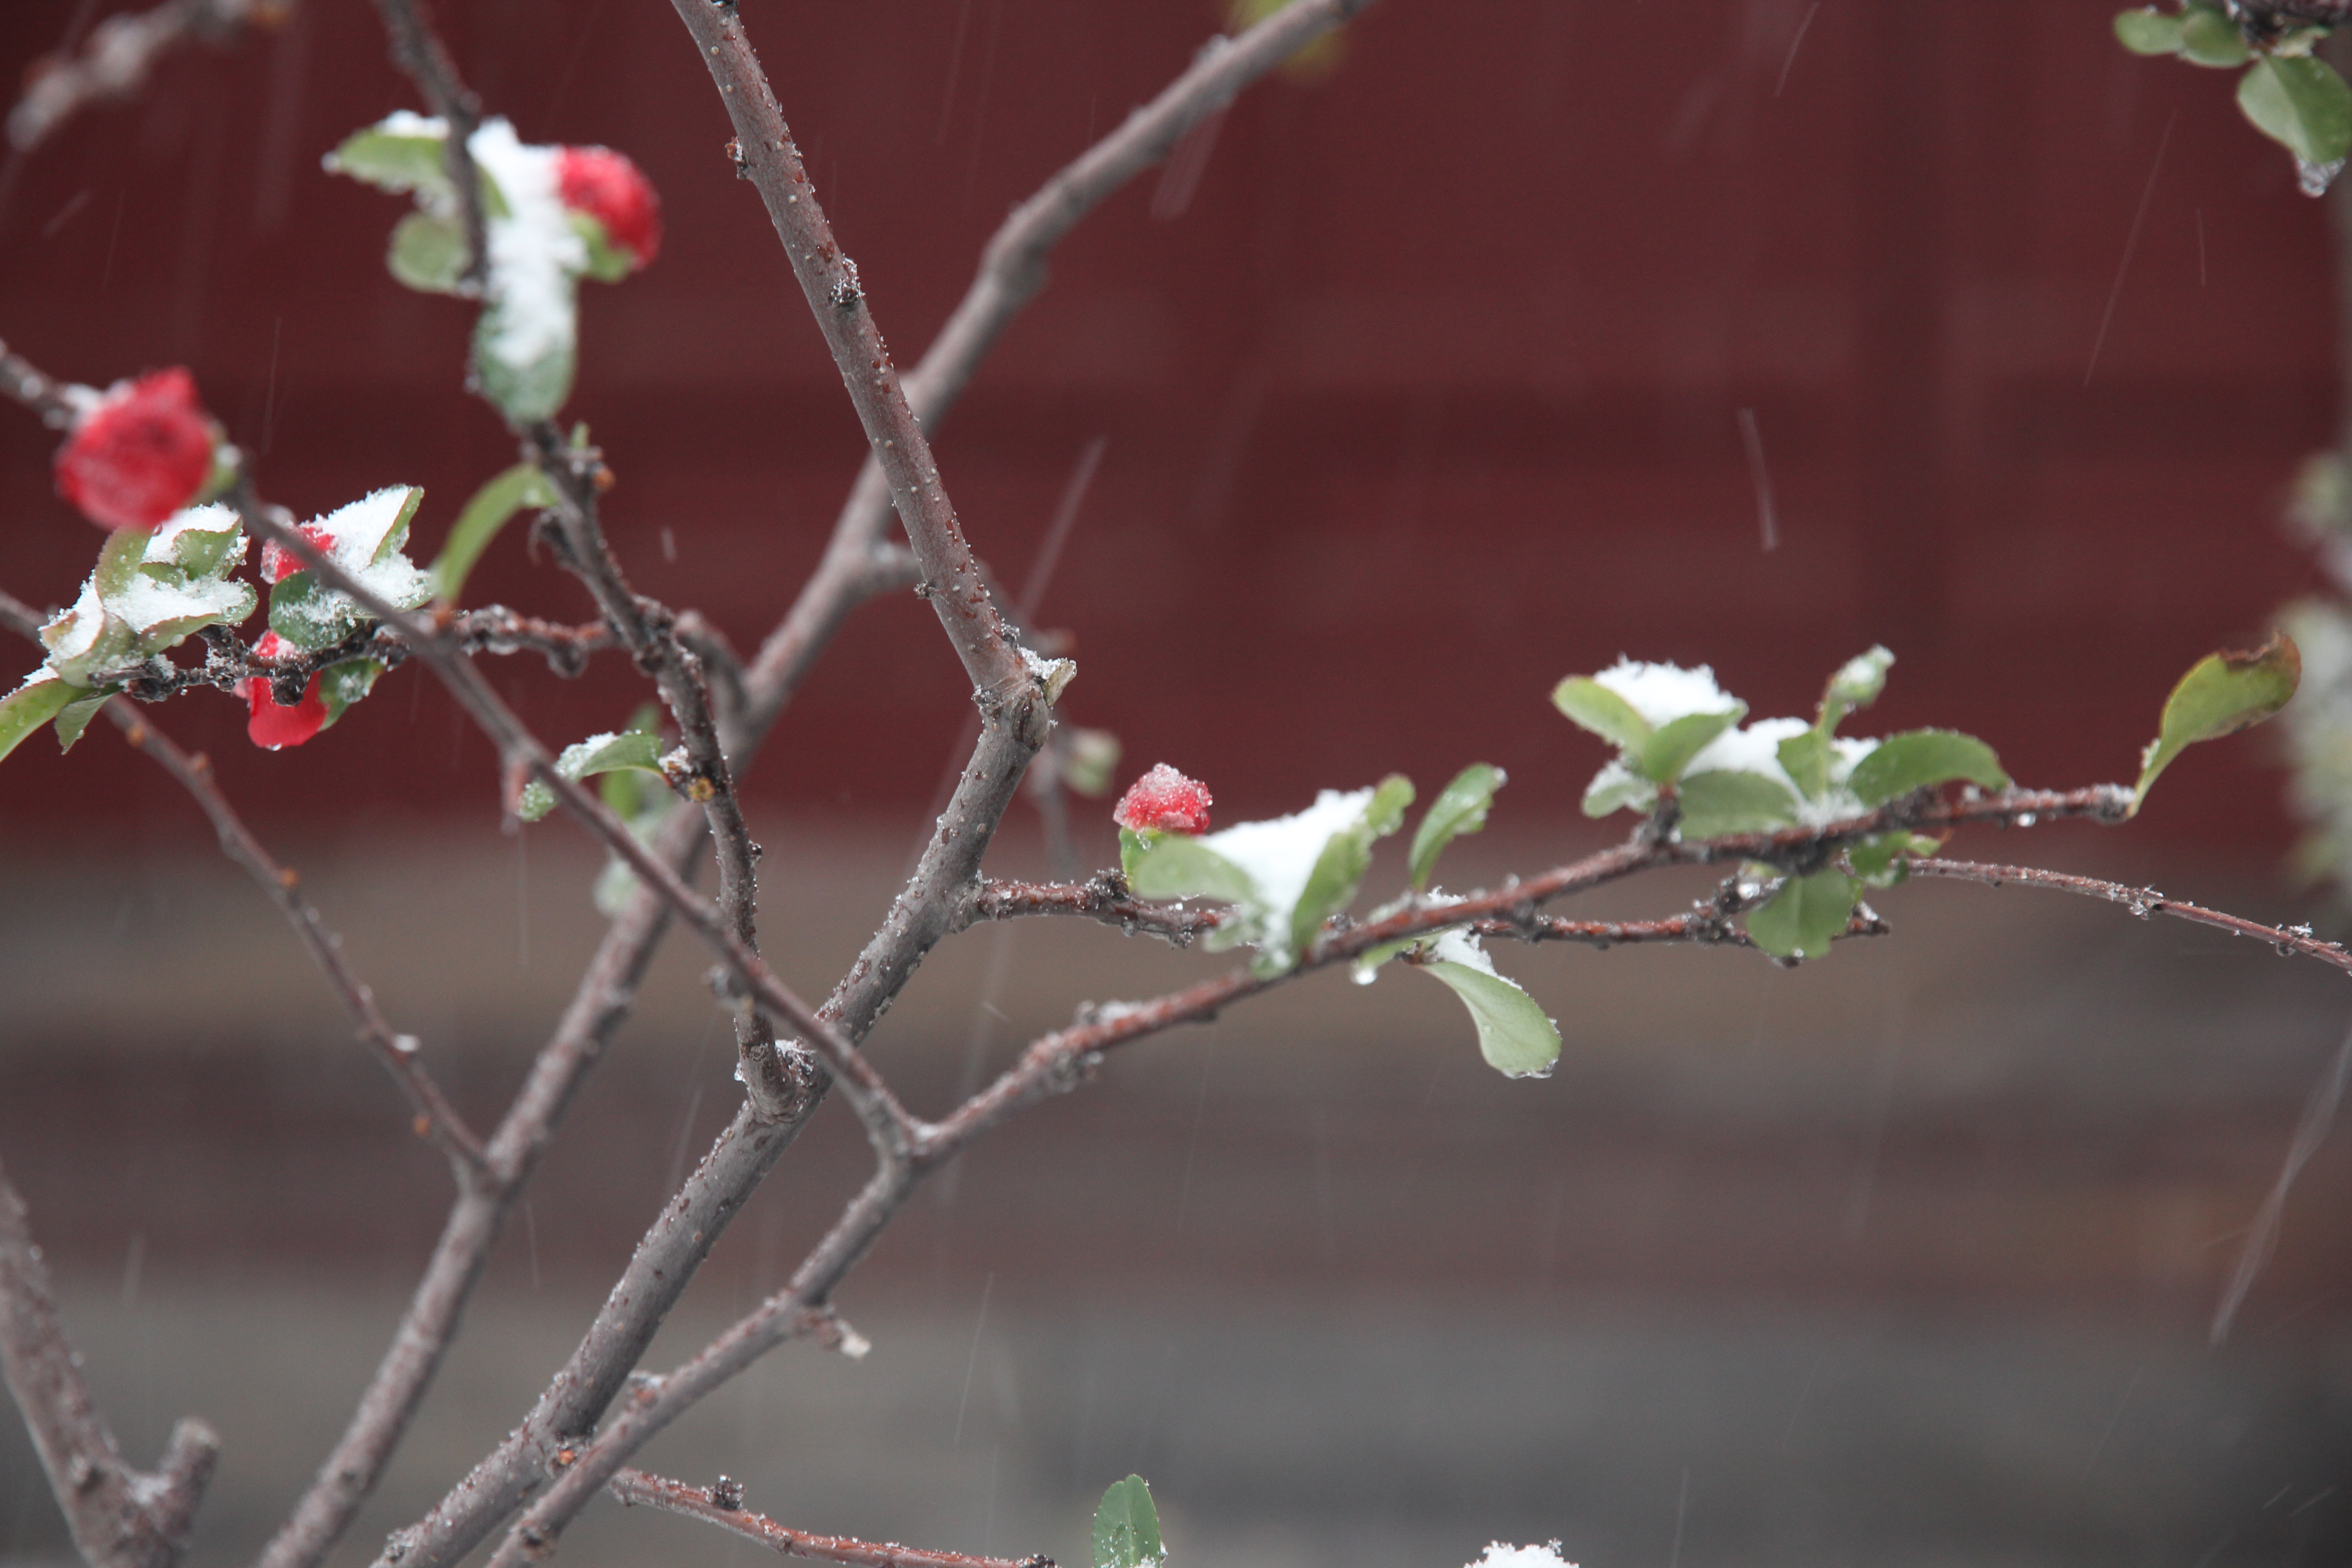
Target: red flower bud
(278,562)
(608,187)
(1166,800)
(275,726)
(140,454)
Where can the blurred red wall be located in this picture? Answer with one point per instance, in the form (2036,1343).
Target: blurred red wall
(1428,396)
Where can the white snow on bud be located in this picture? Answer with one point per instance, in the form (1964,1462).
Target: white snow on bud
(535,252)
(1662,693)
(1279,855)
(1499,1555)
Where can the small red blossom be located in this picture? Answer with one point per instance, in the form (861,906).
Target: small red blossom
(607,186)
(278,562)
(140,454)
(274,726)
(1166,800)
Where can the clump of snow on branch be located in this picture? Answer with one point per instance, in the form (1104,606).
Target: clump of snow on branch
(1756,749)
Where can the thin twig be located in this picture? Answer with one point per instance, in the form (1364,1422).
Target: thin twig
(418,50)
(114,61)
(119,1517)
(722,1505)
(59,403)
(779,1081)
(2141,902)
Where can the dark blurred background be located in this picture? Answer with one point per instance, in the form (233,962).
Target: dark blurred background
(1424,388)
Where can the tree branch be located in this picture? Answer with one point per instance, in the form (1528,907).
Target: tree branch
(1013,265)
(417,49)
(119,1517)
(114,61)
(829,279)
(722,1505)
(2140,901)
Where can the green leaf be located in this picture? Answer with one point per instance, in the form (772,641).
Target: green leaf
(1596,708)
(2300,103)
(32,705)
(1178,865)
(2221,694)
(1919,758)
(1616,787)
(1089,762)
(607,262)
(1665,753)
(1341,869)
(1882,861)
(488,511)
(396,161)
(523,392)
(1127,1527)
(1514,1036)
(1806,759)
(605,753)
(427,253)
(1132,847)
(1725,801)
(76,715)
(1856,684)
(1460,808)
(2148,32)
(1804,916)
(346,683)
(2210,39)
(203,541)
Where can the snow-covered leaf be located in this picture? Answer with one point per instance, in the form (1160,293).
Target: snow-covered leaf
(1718,802)
(1856,684)
(1805,916)
(523,385)
(1127,1527)
(2300,103)
(2221,694)
(1339,870)
(488,511)
(1514,1036)
(1918,759)
(404,153)
(1617,788)
(201,541)
(1460,808)
(364,538)
(605,753)
(1180,866)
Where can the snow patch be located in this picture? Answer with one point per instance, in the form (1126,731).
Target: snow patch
(1756,749)
(1501,1555)
(1662,693)
(535,253)
(1279,855)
